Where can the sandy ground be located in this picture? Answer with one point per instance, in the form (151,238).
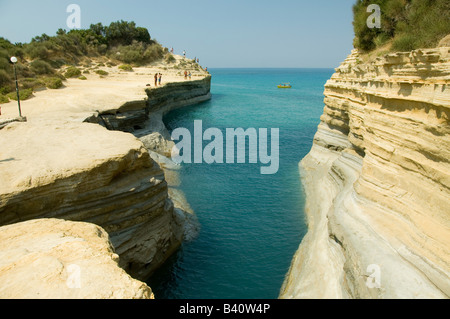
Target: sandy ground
(79,99)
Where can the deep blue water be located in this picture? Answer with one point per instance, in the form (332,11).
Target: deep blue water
(251,224)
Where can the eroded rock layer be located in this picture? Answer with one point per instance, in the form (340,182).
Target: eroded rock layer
(90,174)
(377,182)
(145,118)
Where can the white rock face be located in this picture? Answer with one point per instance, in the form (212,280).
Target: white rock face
(83,172)
(377,182)
(57,259)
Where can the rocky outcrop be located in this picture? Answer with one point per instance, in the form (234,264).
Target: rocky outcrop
(172,96)
(377,183)
(55,166)
(178,94)
(83,172)
(57,259)
(144,118)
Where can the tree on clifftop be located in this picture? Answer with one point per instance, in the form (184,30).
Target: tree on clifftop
(124,33)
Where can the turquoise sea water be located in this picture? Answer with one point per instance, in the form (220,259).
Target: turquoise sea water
(251,224)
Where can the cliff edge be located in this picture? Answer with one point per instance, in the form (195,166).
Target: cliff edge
(57,259)
(59,164)
(90,174)
(377,183)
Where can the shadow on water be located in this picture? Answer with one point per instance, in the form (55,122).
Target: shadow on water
(164,280)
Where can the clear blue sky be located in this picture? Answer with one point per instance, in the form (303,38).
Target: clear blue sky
(225,33)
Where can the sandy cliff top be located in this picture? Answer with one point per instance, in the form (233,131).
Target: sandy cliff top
(79,99)
(36,154)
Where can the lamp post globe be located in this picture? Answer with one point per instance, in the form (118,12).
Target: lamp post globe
(13,59)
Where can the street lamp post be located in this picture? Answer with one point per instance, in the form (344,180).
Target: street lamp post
(14,61)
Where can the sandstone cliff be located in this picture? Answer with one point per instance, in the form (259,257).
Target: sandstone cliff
(377,183)
(83,172)
(55,166)
(144,118)
(57,259)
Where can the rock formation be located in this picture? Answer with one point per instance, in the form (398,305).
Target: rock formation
(55,166)
(377,183)
(144,118)
(57,259)
(90,174)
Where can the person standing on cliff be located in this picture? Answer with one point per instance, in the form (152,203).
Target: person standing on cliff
(185,75)
(159,80)
(156,79)
(184,53)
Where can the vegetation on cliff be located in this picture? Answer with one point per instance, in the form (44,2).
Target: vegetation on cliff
(406,24)
(48,60)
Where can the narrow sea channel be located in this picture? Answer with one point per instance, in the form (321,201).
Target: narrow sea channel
(251,224)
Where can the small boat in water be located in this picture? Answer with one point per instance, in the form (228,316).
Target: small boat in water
(284,86)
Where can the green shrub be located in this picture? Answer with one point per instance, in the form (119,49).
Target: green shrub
(82,78)
(410,24)
(380,40)
(56,64)
(37,50)
(4,62)
(41,67)
(122,41)
(60,75)
(123,32)
(126,67)
(138,53)
(32,83)
(170,58)
(23,71)
(3,99)
(53,82)
(24,94)
(6,89)
(101,72)
(152,53)
(427,21)
(404,42)
(86,72)
(72,72)
(129,54)
(5,79)
(102,49)
(67,47)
